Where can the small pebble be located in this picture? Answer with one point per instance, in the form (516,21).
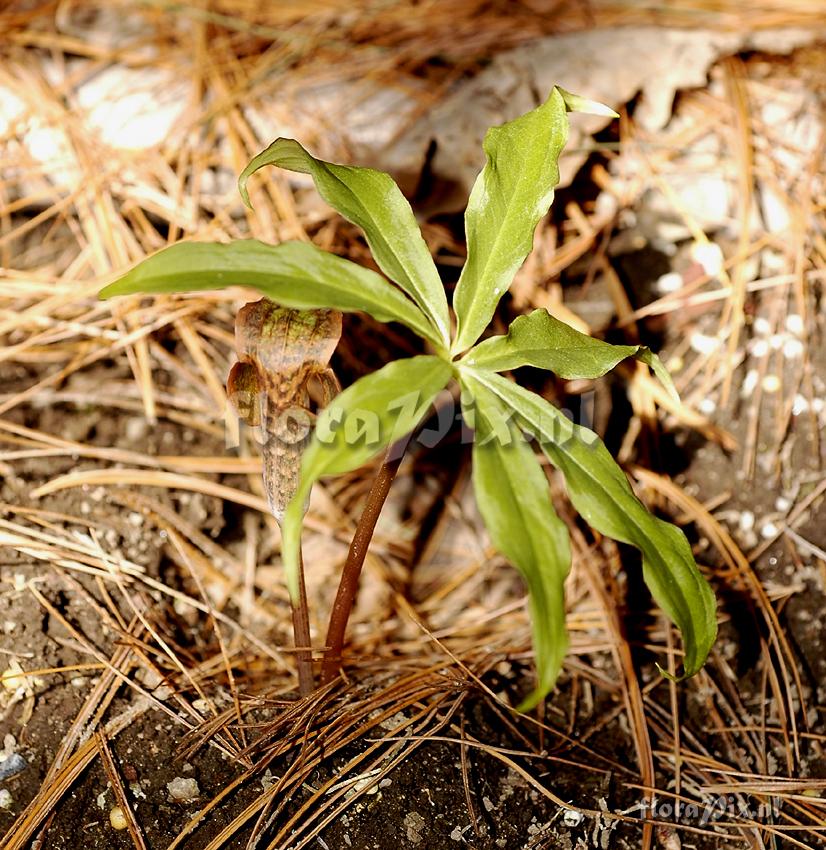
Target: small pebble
(762,326)
(759,348)
(782,504)
(746,521)
(117,818)
(749,383)
(704,344)
(769,530)
(709,256)
(572,818)
(707,406)
(771,384)
(792,349)
(800,405)
(671,282)
(5,799)
(12,765)
(183,790)
(794,324)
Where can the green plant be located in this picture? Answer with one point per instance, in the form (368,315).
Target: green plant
(512,193)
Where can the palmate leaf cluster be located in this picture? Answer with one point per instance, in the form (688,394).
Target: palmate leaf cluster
(512,193)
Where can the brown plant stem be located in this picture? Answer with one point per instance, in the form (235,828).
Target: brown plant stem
(348,586)
(301,636)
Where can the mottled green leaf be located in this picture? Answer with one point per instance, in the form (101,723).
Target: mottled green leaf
(368,416)
(601,493)
(514,500)
(541,340)
(372,201)
(510,196)
(292,274)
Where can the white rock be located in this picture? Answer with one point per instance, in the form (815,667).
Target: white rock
(183,790)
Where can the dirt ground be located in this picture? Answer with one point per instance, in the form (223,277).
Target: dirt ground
(144,627)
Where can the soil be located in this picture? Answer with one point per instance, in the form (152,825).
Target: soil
(424,802)
(442,795)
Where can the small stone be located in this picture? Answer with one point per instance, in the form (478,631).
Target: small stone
(793,349)
(782,504)
(769,530)
(771,384)
(414,824)
(117,818)
(704,344)
(762,326)
(800,405)
(571,818)
(709,256)
(759,348)
(5,799)
(183,790)
(671,282)
(749,383)
(746,521)
(794,324)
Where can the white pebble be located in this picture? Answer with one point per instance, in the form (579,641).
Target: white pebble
(749,383)
(792,349)
(709,256)
(572,818)
(746,521)
(817,405)
(117,818)
(782,504)
(671,282)
(794,324)
(707,406)
(801,405)
(762,326)
(769,530)
(776,341)
(771,384)
(5,799)
(183,790)
(704,344)
(759,348)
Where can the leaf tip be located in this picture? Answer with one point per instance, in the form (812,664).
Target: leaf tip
(575,103)
(242,188)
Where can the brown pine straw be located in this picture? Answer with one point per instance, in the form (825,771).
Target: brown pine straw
(423,647)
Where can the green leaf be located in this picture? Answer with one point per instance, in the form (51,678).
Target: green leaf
(372,201)
(541,340)
(575,103)
(513,497)
(368,416)
(292,274)
(513,191)
(601,493)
